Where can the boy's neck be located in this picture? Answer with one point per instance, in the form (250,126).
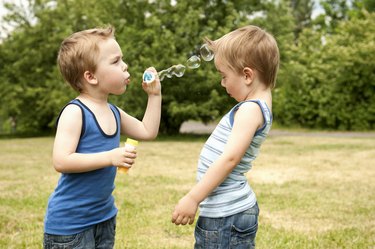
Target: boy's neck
(259,93)
(98,100)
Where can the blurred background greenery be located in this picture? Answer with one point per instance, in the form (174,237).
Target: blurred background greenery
(326,79)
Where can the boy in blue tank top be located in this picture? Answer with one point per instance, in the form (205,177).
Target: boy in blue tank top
(248,61)
(81,212)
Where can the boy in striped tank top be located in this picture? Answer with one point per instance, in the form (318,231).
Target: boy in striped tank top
(248,61)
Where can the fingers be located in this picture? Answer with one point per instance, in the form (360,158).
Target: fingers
(185,220)
(152,69)
(126,165)
(128,162)
(154,86)
(128,159)
(131,155)
(174,216)
(182,220)
(191,221)
(123,158)
(178,220)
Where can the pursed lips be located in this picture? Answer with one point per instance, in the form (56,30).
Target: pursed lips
(127,81)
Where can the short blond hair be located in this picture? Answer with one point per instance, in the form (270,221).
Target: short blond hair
(79,53)
(249,46)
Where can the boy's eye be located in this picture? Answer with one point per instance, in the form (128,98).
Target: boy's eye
(117,59)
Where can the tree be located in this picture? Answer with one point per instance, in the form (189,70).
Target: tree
(162,33)
(147,35)
(331,82)
(30,83)
(302,11)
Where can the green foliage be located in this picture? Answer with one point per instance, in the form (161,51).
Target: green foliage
(331,81)
(302,11)
(157,33)
(311,87)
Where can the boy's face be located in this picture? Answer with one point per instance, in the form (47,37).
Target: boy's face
(112,72)
(233,82)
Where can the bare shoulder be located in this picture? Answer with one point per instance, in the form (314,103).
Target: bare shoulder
(70,116)
(249,108)
(249,113)
(71,110)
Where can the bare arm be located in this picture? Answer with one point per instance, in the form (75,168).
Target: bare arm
(65,158)
(148,128)
(247,120)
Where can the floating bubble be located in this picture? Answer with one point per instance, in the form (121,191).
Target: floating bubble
(178,70)
(193,62)
(165,73)
(206,53)
(169,75)
(162,74)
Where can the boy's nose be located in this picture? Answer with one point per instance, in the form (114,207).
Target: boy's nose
(126,74)
(124,67)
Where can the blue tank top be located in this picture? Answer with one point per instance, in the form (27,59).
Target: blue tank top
(234,194)
(82,200)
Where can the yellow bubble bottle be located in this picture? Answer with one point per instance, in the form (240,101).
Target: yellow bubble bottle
(130,144)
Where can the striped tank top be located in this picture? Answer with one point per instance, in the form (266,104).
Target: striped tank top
(234,194)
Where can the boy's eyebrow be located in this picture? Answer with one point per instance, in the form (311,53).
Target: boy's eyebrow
(116,57)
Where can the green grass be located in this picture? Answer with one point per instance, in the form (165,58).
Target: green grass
(313,192)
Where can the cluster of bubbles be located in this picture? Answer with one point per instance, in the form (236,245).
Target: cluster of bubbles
(193,62)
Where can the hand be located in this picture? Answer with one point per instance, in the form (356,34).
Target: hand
(123,158)
(153,88)
(185,211)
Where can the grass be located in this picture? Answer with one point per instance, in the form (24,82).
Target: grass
(313,192)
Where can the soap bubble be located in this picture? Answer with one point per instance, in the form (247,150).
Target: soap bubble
(206,53)
(193,62)
(178,70)
(162,74)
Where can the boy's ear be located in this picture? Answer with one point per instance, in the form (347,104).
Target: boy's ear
(249,75)
(90,77)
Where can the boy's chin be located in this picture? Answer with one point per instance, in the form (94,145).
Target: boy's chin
(120,92)
(124,89)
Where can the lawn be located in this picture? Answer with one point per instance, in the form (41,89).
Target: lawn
(313,191)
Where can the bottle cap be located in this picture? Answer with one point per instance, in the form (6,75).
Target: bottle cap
(132,142)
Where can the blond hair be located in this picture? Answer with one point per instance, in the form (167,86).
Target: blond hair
(79,53)
(249,46)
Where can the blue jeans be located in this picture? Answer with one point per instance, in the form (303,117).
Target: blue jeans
(101,235)
(237,231)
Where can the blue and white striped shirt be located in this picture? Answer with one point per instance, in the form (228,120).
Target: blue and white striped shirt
(234,194)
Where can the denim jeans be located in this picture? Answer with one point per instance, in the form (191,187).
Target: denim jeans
(237,231)
(100,236)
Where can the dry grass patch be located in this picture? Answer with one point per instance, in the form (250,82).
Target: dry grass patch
(314,192)
(323,184)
